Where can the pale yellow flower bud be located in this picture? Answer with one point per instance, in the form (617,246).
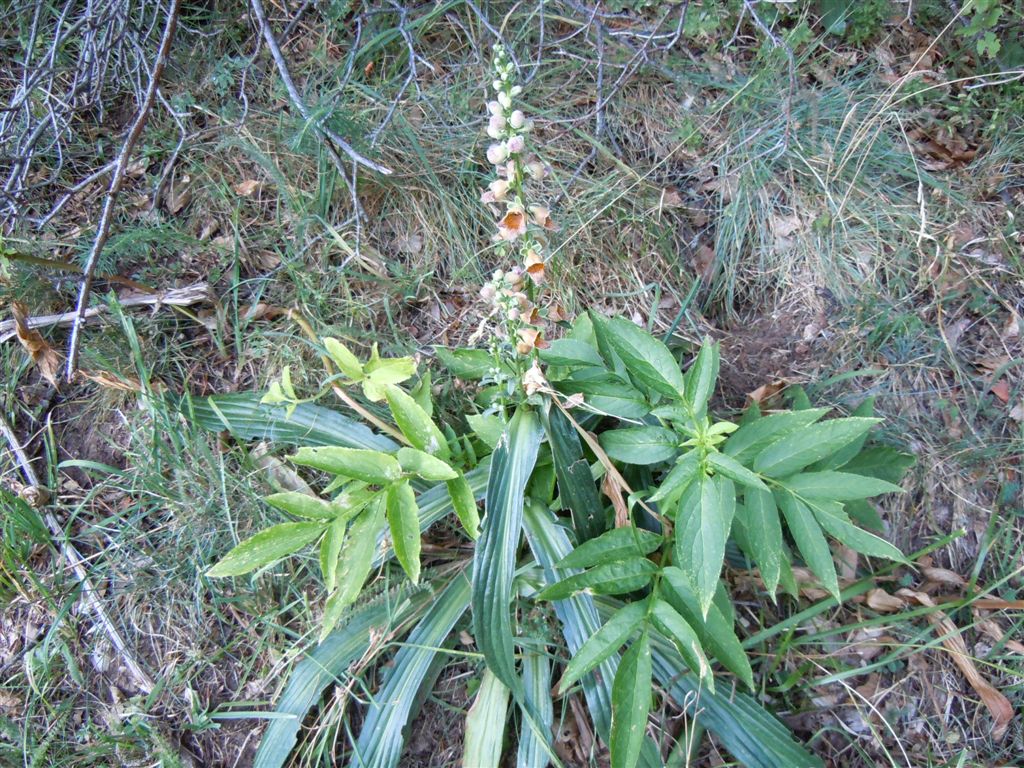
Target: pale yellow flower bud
(496,154)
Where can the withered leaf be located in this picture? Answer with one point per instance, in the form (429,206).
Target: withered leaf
(42,354)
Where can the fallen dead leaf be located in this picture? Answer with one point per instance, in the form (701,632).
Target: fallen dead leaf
(1001,389)
(998,705)
(42,354)
(881,601)
(179,193)
(991,629)
(943,576)
(110,381)
(248,188)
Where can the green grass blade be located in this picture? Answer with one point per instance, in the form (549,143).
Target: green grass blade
(381,738)
(494,560)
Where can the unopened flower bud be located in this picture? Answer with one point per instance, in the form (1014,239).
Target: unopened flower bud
(517,119)
(505,100)
(516,144)
(496,85)
(516,90)
(536,170)
(487,292)
(513,315)
(494,108)
(498,188)
(494,133)
(496,154)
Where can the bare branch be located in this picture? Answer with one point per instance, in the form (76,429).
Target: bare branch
(293,94)
(68,551)
(103,230)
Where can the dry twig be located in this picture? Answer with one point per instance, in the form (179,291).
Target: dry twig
(68,551)
(103,230)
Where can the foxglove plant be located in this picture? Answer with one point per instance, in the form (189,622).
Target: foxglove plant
(610,494)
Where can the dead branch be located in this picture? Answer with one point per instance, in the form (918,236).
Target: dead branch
(103,230)
(335,142)
(176,297)
(68,551)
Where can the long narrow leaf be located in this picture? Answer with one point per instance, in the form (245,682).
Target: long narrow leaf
(533,752)
(576,486)
(752,734)
(579,619)
(327,663)
(246,418)
(381,738)
(485,724)
(494,560)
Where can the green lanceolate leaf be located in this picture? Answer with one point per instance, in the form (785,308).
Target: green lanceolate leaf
(606,393)
(701,378)
(673,626)
(609,579)
(403,518)
(488,428)
(603,643)
(469,364)
(347,362)
(810,444)
(611,546)
(834,520)
(764,535)
(837,486)
(266,547)
(753,437)
(421,393)
(485,724)
(381,374)
(806,532)
(415,424)
(715,631)
(678,479)
(728,466)
(422,464)
(464,503)
(302,505)
(631,703)
(570,352)
(330,548)
(845,454)
(640,445)
(882,462)
(352,499)
(494,559)
(702,528)
(355,561)
(369,466)
(576,487)
(648,360)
